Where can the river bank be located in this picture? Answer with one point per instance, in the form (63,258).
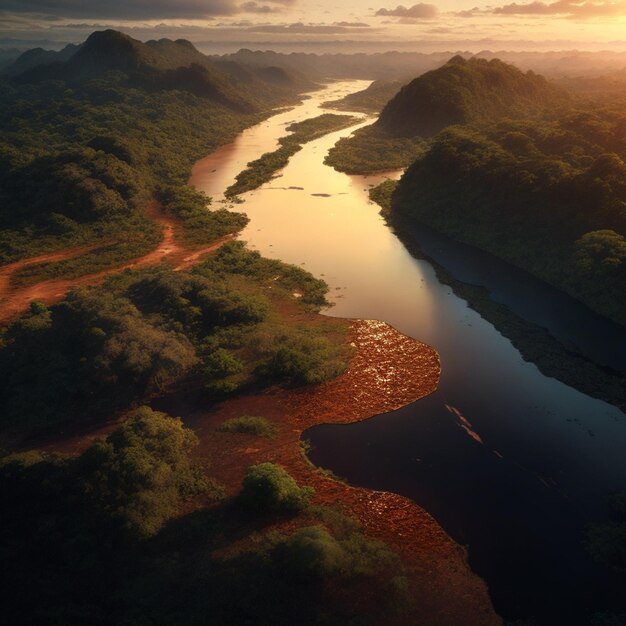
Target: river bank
(534,442)
(555,342)
(389,370)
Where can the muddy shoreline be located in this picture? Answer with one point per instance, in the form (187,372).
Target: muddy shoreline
(388,371)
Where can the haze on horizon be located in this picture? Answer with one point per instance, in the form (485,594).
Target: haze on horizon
(216,25)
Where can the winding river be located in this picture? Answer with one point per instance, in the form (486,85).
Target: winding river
(511,463)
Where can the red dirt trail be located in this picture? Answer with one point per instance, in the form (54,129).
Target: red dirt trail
(15,300)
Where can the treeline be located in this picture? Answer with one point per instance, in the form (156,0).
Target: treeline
(548,196)
(104,348)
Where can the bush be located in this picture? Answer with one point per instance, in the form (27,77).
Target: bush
(310,553)
(301,360)
(249,425)
(313,553)
(268,487)
(141,472)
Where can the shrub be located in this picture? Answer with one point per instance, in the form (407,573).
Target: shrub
(302,360)
(313,553)
(268,487)
(310,553)
(249,425)
(141,472)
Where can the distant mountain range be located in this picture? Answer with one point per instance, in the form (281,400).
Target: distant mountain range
(162,64)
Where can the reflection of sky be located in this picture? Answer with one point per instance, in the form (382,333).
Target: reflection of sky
(340,238)
(595,25)
(550,429)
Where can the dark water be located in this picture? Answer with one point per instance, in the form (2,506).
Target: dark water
(511,463)
(576,326)
(513,468)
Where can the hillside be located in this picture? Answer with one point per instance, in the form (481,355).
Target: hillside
(466,92)
(115,127)
(38,56)
(546,195)
(158,65)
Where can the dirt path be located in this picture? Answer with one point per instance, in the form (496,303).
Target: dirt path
(14,301)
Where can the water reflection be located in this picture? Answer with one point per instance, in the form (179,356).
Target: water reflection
(539,458)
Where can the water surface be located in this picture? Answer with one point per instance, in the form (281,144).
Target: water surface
(511,463)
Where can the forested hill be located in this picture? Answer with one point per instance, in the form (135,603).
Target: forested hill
(38,56)
(546,195)
(156,65)
(464,92)
(107,129)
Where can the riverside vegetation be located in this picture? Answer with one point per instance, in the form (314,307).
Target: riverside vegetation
(263,169)
(100,537)
(103,348)
(512,165)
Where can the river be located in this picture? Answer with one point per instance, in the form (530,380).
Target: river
(511,463)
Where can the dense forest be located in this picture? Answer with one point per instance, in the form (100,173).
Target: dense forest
(511,164)
(89,137)
(547,196)
(471,92)
(108,129)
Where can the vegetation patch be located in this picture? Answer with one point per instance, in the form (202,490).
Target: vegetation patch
(144,331)
(269,488)
(370,100)
(547,196)
(263,169)
(382,195)
(249,425)
(372,149)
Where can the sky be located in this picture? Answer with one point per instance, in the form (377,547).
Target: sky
(306,24)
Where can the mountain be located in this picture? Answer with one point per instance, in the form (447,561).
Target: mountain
(465,91)
(39,56)
(159,65)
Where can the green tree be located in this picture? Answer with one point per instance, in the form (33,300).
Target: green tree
(269,488)
(141,472)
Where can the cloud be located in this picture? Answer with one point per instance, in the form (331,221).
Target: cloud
(300,28)
(352,24)
(417,11)
(255,7)
(132,9)
(566,8)
(471,12)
